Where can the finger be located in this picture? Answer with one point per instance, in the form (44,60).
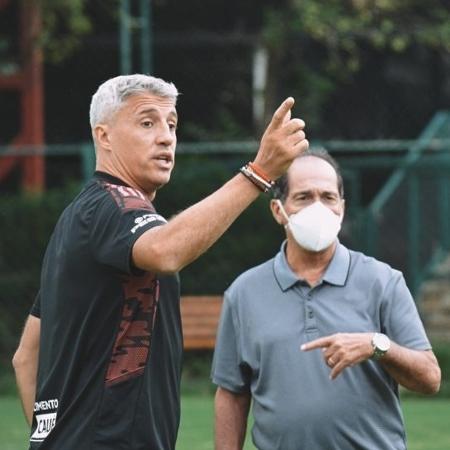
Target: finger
(296,138)
(317,343)
(301,147)
(294,125)
(337,370)
(280,114)
(287,117)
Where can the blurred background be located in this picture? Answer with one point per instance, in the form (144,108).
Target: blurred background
(371,79)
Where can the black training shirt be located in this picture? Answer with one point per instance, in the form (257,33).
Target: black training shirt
(110,350)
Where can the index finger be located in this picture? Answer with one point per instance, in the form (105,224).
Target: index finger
(279,116)
(317,343)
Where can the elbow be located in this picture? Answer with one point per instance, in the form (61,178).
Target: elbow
(24,359)
(157,258)
(435,381)
(165,261)
(432,383)
(18,361)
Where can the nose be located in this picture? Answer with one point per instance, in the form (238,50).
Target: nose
(166,135)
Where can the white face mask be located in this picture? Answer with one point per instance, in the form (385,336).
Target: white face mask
(315,227)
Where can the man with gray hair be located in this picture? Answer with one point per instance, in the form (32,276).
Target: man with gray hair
(98,365)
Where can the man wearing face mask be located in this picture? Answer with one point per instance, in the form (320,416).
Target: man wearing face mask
(320,337)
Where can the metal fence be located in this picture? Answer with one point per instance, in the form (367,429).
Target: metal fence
(397,191)
(407,223)
(397,209)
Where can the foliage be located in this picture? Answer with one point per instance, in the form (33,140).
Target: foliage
(345,28)
(226,127)
(314,45)
(64,25)
(392,54)
(196,373)
(21,253)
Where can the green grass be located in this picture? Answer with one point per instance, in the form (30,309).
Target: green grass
(13,428)
(427,424)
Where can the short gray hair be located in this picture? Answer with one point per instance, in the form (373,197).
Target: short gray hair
(112,93)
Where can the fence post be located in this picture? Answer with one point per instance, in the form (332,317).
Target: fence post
(370,231)
(146,37)
(125,37)
(444,210)
(87,161)
(413,232)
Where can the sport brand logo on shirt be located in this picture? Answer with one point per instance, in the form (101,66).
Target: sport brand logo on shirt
(44,422)
(145,219)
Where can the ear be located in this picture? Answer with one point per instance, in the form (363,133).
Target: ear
(102,136)
(276,212)
(343,210)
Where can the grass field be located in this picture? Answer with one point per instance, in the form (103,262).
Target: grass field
(427,424)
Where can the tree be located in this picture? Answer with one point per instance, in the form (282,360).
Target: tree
(316,43)
(64,25)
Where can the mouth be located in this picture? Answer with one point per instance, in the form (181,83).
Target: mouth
(165,159)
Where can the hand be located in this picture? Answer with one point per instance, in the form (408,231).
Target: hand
(342,350)
(283,140)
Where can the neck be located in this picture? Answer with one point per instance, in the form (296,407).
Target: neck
(309,266)
(124,176)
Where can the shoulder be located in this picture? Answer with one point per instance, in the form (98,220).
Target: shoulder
(102,202)
(123,197)
(372,270)
(102,199)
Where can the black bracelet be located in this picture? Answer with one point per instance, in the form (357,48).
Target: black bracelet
(262,184)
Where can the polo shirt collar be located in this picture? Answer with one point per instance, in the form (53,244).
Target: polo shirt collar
(337,270)
(336,273)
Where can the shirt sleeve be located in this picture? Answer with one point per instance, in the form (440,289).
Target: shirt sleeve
(228,370)
(401,320)
(114,229)
(36,308)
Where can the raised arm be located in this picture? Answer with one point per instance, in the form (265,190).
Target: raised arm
(170,247)
(25,362)
(231,413)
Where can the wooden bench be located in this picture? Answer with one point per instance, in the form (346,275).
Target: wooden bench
(200,318)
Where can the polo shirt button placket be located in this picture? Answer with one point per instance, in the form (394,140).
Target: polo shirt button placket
(308,307)
(310,320)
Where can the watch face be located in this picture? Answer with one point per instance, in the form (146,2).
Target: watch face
(382,342)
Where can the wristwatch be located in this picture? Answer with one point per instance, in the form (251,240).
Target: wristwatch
(381,344)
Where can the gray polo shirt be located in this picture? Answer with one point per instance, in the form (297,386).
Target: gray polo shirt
(268,313)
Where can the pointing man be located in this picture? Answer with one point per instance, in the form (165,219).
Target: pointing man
(105,329)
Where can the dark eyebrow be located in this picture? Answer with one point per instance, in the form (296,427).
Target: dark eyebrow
(151,111)
(310,191)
